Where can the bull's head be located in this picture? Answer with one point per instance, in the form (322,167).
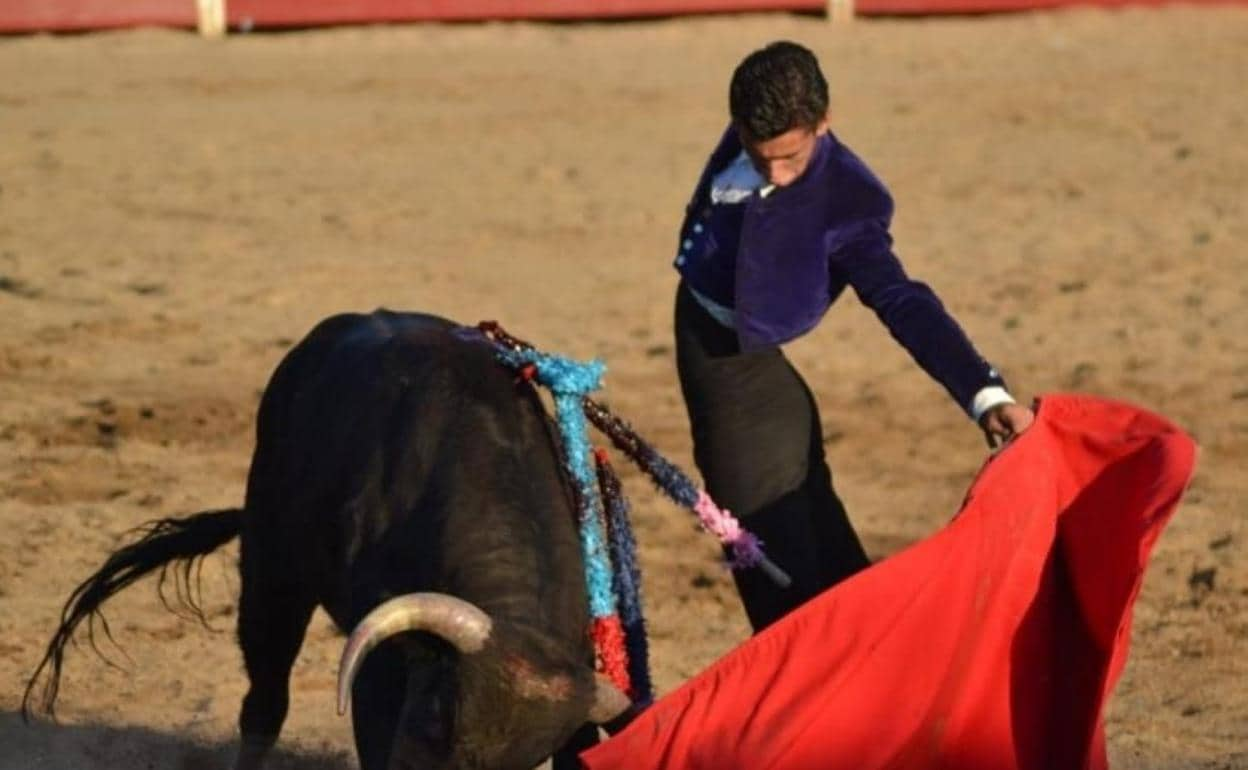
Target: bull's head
(490,703)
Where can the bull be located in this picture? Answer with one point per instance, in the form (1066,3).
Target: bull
(406,483)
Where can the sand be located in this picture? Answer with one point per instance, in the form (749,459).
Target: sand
(174,213)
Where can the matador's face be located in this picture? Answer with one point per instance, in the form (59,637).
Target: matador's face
(784,158)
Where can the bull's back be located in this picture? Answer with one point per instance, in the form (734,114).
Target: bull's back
(337,413)
(379,432)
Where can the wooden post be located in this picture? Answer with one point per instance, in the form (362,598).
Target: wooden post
(211,15)
(838,11)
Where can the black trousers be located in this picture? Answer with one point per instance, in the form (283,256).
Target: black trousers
(758,443)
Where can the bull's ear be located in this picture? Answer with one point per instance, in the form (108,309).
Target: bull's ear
(429,707)
(609,702)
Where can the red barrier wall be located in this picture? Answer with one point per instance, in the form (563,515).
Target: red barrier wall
(57,15)
(54,15)
(67,15)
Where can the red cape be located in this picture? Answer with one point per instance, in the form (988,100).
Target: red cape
(991,645)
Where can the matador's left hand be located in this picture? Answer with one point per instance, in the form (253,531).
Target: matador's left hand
(1004,422)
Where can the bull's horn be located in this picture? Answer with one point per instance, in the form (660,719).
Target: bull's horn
(461,623)
(609,702)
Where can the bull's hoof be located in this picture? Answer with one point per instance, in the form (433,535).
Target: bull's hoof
(252,750)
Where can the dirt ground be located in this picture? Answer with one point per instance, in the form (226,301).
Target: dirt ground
(174,213)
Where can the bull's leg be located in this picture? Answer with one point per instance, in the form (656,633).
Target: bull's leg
(252,750)
(272,619)
(566,757)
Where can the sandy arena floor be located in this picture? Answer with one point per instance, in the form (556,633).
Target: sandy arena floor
(174,213)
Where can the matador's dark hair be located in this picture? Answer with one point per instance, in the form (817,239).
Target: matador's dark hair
(776,89)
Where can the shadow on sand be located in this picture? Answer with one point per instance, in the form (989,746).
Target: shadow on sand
(46,746)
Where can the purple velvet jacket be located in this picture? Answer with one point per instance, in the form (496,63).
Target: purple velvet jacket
(801,246)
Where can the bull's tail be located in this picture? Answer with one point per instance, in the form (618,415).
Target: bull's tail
(179,544)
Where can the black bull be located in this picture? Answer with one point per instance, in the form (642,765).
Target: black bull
(406,483)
